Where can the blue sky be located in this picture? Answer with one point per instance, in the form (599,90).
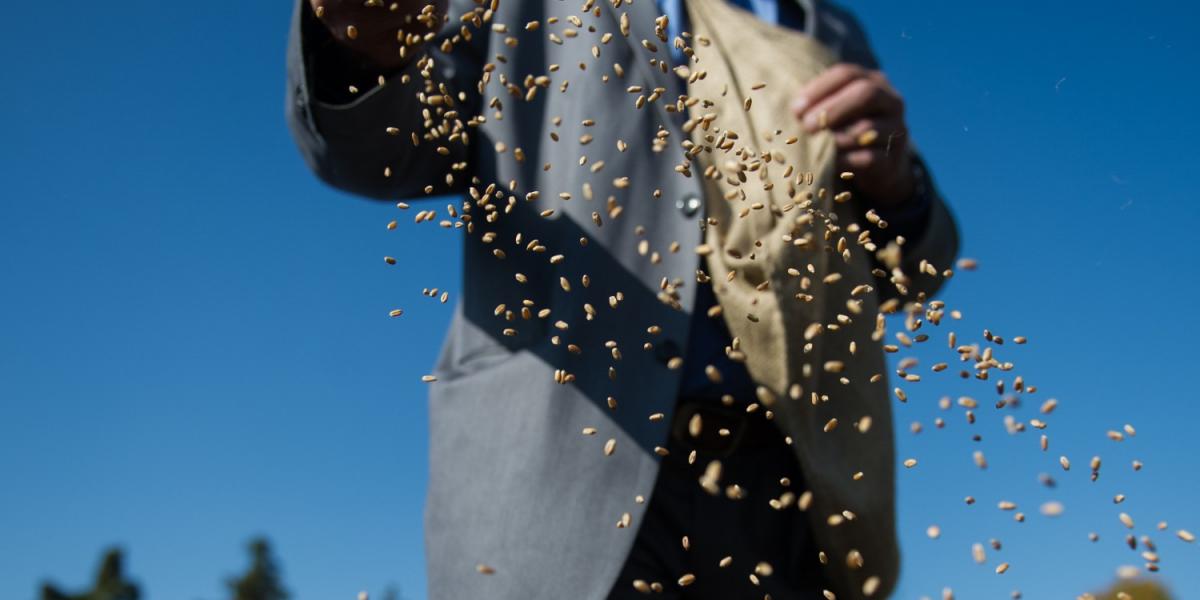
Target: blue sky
(194,345)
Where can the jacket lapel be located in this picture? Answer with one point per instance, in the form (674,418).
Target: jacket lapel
(641,15)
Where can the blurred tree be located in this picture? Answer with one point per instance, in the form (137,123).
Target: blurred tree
(1135,589)
(262,581)
(110,583)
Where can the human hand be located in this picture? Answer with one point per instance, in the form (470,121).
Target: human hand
(866,116)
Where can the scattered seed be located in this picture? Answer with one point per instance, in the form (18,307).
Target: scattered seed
(1126,520)
(1052,509)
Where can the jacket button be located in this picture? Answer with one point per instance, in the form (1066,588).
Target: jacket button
(689,205)
(665,350)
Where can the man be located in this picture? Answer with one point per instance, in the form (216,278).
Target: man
(590,379)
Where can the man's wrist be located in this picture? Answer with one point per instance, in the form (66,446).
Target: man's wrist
(910,216)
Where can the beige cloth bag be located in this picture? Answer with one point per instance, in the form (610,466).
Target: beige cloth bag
(783,267)
(767,206)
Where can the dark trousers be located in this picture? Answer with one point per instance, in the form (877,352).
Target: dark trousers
(749,530)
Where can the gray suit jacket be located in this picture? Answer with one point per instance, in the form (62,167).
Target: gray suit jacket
(513,483)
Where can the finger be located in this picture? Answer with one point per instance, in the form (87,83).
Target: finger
(860,159)
(871,163)
(821,86)
(858,99)
(888,132)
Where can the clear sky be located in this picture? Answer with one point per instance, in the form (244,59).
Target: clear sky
(195,348)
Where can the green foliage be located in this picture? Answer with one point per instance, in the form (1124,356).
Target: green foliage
(262,581)
(1138,589)
(110,583)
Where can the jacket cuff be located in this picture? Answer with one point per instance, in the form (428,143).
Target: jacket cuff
(911,218)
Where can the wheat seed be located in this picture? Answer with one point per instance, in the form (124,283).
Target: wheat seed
(1052,509)
(870,586)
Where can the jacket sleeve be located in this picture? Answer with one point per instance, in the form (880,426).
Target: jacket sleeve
(350,144)
(933,240)
(932,235)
